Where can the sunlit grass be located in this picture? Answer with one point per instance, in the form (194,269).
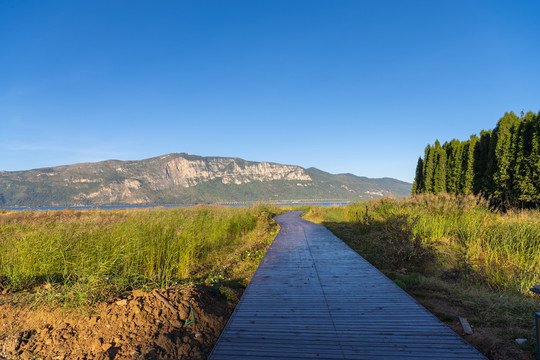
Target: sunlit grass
(89,253)
(500,250)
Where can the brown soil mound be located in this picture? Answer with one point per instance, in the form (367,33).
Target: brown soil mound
(182,323)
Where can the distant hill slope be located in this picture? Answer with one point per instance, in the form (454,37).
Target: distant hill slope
(184,179)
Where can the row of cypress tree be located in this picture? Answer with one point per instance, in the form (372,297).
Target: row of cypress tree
(502,164)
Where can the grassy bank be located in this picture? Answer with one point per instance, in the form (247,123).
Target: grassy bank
(90,254)
(428,233)
(456,256)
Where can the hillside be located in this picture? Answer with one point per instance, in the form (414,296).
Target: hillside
(184,179)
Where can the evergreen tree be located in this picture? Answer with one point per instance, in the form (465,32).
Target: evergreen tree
(418,184)
(428,169)
(454,153)
(439,176)
(467,175)
(481,161)
(503,157)
(535,158)
(503,164)
(523,165)
(488,185)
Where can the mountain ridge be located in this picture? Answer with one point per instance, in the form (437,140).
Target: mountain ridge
(181,178)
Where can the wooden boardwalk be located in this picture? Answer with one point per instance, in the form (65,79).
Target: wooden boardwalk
(312,297)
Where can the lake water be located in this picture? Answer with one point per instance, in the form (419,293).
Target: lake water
(116,207)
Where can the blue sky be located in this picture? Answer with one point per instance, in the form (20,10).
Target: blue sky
(344,86)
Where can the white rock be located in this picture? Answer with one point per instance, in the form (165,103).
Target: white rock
(123,302)
(186,173)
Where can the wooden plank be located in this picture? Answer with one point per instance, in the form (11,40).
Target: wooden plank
(321,336)
(312,297)
(337,349)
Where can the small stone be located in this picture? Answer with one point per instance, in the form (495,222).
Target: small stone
(106,346)
(520,341)
(96,344)
(183,312)
(10,344)
(122,302)
(26,355)
(467,329)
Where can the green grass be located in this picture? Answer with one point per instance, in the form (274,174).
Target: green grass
(88,255)
(501,251)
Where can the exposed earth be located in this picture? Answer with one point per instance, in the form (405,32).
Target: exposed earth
(140,325)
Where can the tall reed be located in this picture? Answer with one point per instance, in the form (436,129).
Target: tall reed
(125,247)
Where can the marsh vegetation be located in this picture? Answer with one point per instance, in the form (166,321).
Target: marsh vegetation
(89,255)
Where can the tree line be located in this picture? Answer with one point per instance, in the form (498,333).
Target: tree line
(502,164)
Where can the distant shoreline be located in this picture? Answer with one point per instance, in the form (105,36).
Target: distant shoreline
(231,204)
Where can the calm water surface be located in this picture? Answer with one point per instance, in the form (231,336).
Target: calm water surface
(116,207)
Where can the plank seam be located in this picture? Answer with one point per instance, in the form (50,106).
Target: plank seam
(323,292)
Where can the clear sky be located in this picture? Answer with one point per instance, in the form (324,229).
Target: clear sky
(344,86)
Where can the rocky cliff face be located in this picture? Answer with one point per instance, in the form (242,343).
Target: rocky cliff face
(116,192)
(186,173)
